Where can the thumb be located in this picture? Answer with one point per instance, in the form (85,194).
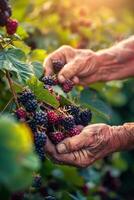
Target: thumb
(69,71)
(72,144)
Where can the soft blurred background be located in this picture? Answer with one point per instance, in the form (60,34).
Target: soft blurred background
(45,26)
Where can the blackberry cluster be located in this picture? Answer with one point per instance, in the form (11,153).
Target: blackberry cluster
(50,81)
(37,120)
(5,20)
(5,12)
(37,182)
(57,124)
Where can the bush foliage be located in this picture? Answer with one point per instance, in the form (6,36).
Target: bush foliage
(44,26)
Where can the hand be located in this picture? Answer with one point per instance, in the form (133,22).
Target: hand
(81,66)
(95,142)
(85,66)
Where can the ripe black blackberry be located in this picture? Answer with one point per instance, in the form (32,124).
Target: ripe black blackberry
(37,182)
(5,12)
(48,80)
(57,65)
(41,153)
(40,118)
(32,125)
(40,139)
(72,109)
(68,122)
(85,117)
(31,105)
(25,96)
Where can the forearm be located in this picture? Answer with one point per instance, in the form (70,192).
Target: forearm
(123,137)
(117,62)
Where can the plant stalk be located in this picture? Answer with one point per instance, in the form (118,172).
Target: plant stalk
(12,89)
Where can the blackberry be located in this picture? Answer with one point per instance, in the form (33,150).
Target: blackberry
(5,12)
(37,182)
(86,117)
(57,137)
(25,96)
(57,65)
(3,19)
(53,117)
(21,113)
(11,26)
(72,109)
(67,86)
(77,119)
(74,131)
(32,125)
(40,139)
(40,152)
(40,118)
(3,4)
(31,105)
(68,122)
(80,127)
(48,80)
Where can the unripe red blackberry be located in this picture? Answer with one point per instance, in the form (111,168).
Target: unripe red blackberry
(21,113)
(53,117)
(74,131)
(67,86)
(57,65)
(57,137)
(11,26)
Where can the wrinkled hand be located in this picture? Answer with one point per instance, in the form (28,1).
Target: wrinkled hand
(80,65)
(95,142)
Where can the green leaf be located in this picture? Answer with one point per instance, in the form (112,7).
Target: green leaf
(89,99)
(38,54)
(37,69)
(13,60)
(17,162)
(42,94)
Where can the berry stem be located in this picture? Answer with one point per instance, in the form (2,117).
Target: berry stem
(7,105)
(12,89)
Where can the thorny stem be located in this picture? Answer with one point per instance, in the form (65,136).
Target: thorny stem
(12,89)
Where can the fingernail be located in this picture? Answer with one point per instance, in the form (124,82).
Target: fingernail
(62,148)
(61,78)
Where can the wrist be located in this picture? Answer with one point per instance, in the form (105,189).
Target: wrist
(122,137)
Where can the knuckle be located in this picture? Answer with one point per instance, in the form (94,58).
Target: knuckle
(65,47)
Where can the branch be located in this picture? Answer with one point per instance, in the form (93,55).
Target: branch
(12,89)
